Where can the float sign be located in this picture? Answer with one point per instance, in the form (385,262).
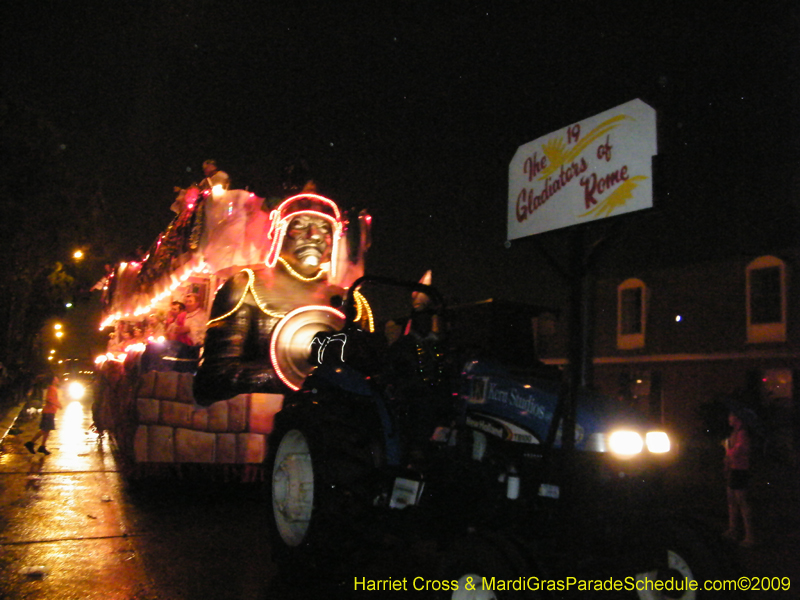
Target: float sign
(598,168)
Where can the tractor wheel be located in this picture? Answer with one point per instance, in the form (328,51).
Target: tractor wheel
(691,557)
(481,567)
(320,478)
(292,477)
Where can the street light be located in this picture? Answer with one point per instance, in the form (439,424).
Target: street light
(77,255)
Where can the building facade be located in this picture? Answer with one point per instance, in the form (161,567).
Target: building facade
(675,341)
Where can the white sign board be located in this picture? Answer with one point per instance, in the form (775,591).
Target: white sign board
(597,168)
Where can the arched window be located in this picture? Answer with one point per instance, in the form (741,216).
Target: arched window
(766,300)
(631,314)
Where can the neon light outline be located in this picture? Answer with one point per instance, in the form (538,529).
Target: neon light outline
(251,276)
(323,271)
(279,224)
(273,351)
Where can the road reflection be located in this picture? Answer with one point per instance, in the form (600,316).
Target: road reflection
(72,431)
(34,478)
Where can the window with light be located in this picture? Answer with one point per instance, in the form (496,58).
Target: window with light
(631,314)
(766,300)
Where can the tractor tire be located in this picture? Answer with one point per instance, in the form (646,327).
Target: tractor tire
(320,475)
(476,559)
(692,555)
(292,492)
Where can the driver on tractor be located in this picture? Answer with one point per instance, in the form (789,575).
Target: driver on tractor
(416,371)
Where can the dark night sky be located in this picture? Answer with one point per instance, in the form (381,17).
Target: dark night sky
(413,109)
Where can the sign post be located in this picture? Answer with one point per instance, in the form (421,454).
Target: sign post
(588,171)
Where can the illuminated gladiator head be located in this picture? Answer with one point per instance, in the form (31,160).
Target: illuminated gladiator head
(304,234)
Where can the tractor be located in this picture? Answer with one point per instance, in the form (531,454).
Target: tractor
(452,427)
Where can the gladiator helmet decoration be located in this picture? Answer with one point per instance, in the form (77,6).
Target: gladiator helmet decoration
(310,205)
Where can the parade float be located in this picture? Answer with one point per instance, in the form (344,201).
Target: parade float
(276,272)
(356,430)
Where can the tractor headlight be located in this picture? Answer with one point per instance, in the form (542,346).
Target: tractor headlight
(657,442)
(76,390)
(625,443)
(630,443)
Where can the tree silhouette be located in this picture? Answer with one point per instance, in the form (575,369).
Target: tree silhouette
(51,206)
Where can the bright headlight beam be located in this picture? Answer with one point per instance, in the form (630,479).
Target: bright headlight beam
(657,442)
(76,390)
(626,443)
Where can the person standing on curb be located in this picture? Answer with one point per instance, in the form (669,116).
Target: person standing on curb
(737,470)
(51,406)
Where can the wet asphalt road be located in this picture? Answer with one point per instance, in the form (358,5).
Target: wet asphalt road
(71,528)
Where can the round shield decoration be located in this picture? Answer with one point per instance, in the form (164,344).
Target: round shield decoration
(291,340)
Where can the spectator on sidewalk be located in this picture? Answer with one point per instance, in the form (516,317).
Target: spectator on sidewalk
(52,404)
(737,474)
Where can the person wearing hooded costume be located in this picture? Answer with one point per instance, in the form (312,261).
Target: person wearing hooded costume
(415,359)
